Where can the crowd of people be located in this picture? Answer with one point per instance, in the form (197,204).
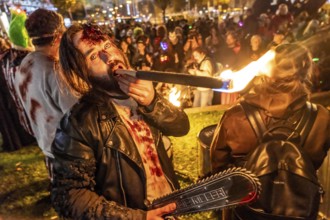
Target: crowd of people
(102,132)
(228,44)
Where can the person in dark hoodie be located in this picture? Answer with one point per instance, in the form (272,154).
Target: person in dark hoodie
(281,97)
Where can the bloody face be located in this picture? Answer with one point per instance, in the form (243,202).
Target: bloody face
(102,56)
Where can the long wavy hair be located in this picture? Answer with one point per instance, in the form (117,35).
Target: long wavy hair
(292,70)
(73,68)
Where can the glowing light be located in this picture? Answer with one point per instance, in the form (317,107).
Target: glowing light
(316,59)
(174,96)
(164,45)
(128,9)
(67,22)
(237,81)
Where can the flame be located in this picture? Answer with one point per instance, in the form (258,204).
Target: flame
(237,81)
(174,96)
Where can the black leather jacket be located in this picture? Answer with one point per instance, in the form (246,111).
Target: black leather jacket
(98,171)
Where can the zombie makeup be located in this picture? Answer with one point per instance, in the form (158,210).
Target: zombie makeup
(92,34)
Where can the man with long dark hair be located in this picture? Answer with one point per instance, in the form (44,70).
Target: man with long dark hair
(110,161)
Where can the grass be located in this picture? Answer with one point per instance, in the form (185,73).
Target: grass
(24,185)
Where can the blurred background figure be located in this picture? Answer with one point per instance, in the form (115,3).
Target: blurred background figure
(213,43)
(14,127)
(256,49)
(142,60)
(194,40)
(278,38)
(128,50)
(175,43)
(250,24)
(282,19)
(202,67)
(233,55)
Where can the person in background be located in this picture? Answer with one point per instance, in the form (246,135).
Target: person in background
(250,23)
(282,20)
(149,47)
(15,127)
(124,46)
(256,49)
(44,98)
(202,67)
(142,60)
(213,43)
(194,40)
(233,54)
(278,38)
(299,24)
(110,161)
(177,50)
(263,28)
(161,34)
(280,98)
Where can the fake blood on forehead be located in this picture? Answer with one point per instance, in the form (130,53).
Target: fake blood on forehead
(92,35)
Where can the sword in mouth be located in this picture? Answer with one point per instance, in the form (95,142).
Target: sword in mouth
(227,82)
(174,78)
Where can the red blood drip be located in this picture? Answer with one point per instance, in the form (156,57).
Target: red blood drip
(92,34)
(159,172)
(23,87)
(34,107)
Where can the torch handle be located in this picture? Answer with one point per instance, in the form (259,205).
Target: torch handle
(174,78)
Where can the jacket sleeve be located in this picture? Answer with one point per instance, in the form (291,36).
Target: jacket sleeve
(169,119)
(73,186)
(230,141)
(219,150)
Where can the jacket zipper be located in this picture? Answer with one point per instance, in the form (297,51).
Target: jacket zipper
(121,178)
(168,179)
